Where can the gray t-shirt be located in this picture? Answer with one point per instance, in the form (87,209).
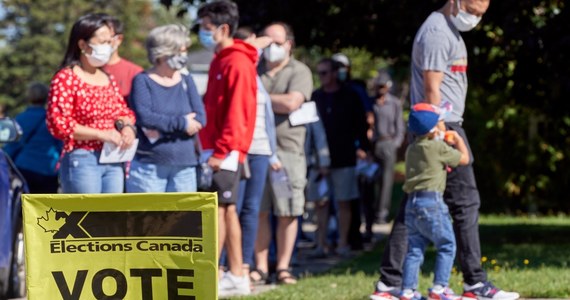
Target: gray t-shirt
(388,120)
(438,46)
(295,76)
(426,162)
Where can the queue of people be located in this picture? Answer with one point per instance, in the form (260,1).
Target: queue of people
(243,130)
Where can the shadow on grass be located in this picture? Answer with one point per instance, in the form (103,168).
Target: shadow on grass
(507,246)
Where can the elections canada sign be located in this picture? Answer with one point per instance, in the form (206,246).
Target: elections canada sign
(121,246)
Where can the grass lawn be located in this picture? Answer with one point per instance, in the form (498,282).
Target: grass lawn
(527,255)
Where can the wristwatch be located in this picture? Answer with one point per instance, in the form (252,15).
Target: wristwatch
(120,125)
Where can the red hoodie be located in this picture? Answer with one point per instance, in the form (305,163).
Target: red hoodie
(230,101)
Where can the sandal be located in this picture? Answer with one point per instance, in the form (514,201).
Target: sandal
(287,278)
(263,277)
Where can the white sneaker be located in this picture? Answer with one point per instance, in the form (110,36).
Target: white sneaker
(384,292)
(231,285)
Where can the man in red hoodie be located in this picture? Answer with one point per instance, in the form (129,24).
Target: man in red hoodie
(230,103)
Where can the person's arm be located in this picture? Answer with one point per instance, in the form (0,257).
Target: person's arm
(60,114)
(434,56)
(195,101)
(141,102)
(299,91)
(274,161)
(287,103)
(400,125)
(359,115)
(432,84)
(459,143)
(319,136)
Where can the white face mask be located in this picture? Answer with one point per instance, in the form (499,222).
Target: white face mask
(464,21)
(440,136)
(274,53)
(100,55)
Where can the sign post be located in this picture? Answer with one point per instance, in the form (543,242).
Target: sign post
(121,246)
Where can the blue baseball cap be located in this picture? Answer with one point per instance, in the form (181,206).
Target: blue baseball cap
(421,122)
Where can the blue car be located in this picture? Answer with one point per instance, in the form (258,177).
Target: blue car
(12,185)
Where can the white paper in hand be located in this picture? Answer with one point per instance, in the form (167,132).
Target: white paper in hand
(113,154)
(231,162)
(306,114)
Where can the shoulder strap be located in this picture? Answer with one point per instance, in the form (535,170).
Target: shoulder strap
(184,84)
(197,144)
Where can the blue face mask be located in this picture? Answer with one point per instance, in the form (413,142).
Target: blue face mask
(207,39)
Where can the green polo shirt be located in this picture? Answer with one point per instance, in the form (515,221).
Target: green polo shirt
(426,162)
(295,76)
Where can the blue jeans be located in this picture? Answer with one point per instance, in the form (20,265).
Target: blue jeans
(428,219)
(249,203)
(81,173)
(158,178)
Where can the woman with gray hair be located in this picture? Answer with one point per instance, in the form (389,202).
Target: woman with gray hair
(169,115)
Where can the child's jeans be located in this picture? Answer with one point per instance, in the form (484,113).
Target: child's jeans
(428,219)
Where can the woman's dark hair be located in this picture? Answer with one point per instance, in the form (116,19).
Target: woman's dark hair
(83,29)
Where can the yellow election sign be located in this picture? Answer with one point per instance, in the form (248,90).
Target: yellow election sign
(121,246)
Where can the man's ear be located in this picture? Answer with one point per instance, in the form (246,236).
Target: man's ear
(225,30)
(120,38)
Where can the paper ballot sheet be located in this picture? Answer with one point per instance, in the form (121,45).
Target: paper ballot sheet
(113,154)
(306,114)
(280,184)
(230,163)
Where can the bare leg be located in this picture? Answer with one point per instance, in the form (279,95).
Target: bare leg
(221,228)
(286,235)
(262,242)
(233,240)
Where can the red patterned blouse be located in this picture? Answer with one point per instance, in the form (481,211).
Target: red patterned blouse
(72,101)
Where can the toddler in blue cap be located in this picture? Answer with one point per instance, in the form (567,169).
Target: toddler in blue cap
(427,216)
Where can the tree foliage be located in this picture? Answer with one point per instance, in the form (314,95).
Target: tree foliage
(35,35)
(518,113)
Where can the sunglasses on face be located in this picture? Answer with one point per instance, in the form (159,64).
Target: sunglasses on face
(323,72)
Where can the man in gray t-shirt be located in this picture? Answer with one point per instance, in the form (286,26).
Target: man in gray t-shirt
(439,73)
(289,84)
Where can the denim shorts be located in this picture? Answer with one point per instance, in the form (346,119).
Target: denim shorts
(160,178)
(81,173)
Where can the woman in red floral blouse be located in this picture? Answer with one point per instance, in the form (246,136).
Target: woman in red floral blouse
(84,106)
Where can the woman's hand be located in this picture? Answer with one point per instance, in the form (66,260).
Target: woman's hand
(111,136)
(192,126)
(128,137)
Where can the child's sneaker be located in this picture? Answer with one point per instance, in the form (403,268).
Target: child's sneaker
(442,294)
(411,296)
(487,291)
(384,292)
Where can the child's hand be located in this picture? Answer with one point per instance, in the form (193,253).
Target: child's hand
(452,137)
